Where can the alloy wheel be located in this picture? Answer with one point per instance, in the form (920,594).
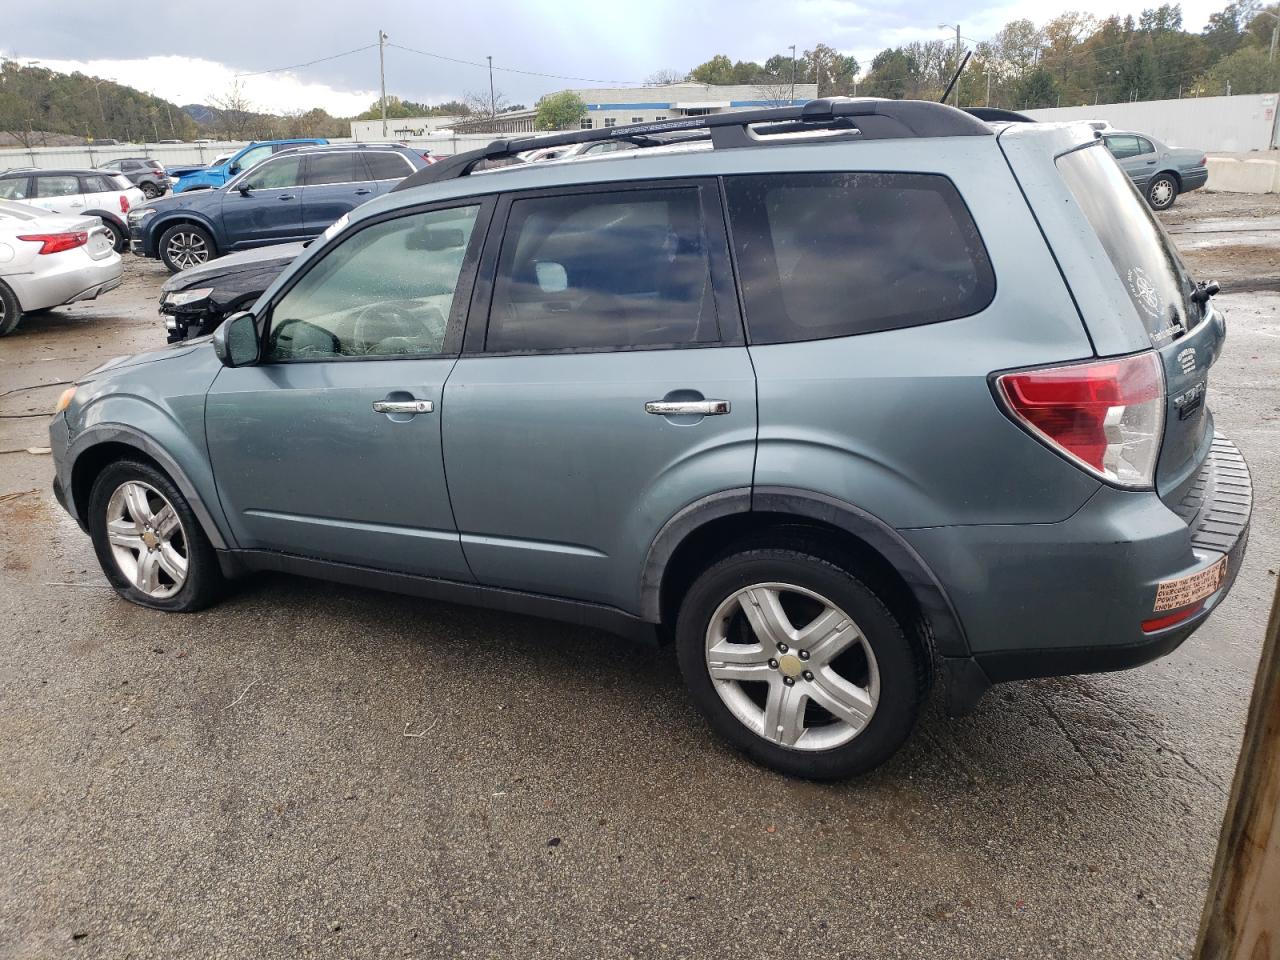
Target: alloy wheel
(186,250)
(147,540)
(792,666)
(1162,193)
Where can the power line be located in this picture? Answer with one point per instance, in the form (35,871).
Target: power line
(309,63)
(527,73)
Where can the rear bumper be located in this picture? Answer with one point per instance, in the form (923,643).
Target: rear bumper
(1194,180)
(79,278)
(1052,599)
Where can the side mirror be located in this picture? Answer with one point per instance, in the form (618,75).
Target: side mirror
(244,188)
(235,342)
(233,169)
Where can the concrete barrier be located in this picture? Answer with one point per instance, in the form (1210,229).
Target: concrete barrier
(1232,175)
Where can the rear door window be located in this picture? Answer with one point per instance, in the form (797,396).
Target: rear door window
(825,255)
(61,186)
(14,188)
(1153,274)
(602,270)
(338,167)
(387,166)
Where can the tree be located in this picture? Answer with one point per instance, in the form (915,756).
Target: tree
(235,113)
(560,111)
(665,76)
(832,71)
(479,103)
(1224,30)
(719,69)
(892,72)
(1037,89)
(1248,70)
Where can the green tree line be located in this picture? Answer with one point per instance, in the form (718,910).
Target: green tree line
(1073,59)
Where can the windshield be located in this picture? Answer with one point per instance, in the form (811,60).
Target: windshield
(1142,254)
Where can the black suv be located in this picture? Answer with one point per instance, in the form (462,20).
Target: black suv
(146,174)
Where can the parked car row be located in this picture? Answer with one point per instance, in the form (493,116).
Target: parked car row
(106,194)
(837,424)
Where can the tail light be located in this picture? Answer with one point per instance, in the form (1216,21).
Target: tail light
(124,203)
(1204,161)
(1106,416)
(57,242)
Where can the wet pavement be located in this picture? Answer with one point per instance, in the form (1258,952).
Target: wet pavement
(311,770)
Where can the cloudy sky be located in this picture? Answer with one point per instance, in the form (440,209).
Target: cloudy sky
(191,52)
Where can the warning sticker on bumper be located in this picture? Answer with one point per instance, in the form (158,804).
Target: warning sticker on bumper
(1172,594)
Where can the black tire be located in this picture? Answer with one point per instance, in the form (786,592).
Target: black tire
(901,666)
(1162,191)
(195,236)
(204,582)
(10,310)
(119,236)
(151,191)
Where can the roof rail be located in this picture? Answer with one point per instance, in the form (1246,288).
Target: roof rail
(866,118)
(997,115)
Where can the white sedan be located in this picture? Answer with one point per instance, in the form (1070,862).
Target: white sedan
(48,259)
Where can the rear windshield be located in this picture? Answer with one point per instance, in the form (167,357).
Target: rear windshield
(1141,252)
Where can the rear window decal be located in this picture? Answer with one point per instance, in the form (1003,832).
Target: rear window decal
(1144,291)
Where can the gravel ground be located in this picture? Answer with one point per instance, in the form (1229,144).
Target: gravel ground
(318,771)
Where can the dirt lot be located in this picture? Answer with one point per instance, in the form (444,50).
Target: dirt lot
(318,771)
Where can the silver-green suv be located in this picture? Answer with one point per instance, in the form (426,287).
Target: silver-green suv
(843,398)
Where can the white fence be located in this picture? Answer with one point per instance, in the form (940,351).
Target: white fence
(1212,124)
(190,154)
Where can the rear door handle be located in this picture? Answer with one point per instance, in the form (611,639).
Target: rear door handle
(403,406)
(363,192)
(687,408)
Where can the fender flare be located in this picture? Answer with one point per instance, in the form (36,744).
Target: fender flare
(132,437)
(936,607)
(162,222)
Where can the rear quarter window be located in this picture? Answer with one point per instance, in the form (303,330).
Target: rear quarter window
(824,255)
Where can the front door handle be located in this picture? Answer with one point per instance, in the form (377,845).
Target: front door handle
(286,196)
(363,192)
(403,406)
(687,408)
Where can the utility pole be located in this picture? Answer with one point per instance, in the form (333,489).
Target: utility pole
(493,107)
(382,78)
(1275,33)
(793,70)
(988,84)
(956,101)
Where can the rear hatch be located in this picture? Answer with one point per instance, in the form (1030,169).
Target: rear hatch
(1157,309)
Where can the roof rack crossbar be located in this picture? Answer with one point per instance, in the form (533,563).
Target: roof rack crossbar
(868,118)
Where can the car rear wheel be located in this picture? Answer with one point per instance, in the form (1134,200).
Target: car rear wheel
(10,311)
(149,543)
(119,239)
(798,663)
(185,245)
(1162,191)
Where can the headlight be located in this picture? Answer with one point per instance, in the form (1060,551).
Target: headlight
(64,401)
(138,214)
(183,297)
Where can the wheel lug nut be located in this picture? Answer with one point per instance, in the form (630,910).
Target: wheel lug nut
(804,654)
(782,648)
(788,681)
(773,664)
(808,675)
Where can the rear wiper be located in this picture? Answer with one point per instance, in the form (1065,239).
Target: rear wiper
(1204,290)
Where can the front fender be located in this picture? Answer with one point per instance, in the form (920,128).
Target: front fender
(161,223)
(157,409)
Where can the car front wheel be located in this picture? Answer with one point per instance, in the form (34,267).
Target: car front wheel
(1162,191)
(185,245)
(798,663)
(149,543)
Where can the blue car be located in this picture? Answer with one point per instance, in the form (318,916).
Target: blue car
(293,195)
(216,174)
